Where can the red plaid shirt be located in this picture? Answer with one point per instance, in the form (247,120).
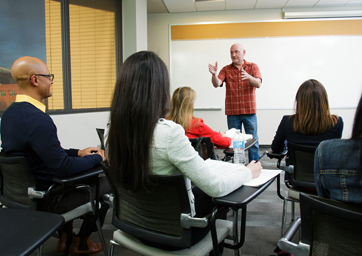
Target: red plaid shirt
(240,95)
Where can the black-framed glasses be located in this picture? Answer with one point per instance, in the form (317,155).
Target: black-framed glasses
(50,76)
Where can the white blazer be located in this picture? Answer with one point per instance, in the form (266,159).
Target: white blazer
(172,153)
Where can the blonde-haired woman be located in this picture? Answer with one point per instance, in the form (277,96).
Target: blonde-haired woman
(182,112)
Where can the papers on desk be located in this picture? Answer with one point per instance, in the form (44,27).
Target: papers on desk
(220,166)
(265,175)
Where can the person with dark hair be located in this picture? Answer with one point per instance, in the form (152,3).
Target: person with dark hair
(338,165)
(141,142)
(26,130)
(312,121)
(182,113)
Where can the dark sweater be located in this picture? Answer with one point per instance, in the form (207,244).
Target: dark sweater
(285,133)
(27,131)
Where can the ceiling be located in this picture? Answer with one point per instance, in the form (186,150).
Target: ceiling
(175,6)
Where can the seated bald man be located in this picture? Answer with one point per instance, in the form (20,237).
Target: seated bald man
(26,130)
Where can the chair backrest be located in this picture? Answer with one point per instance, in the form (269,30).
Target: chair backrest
(100,133)
(15,179)
(154,215)
(204,147)
(303,158)
(331,227)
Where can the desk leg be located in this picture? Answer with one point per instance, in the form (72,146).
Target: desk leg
(101,237)
(96,208)
(242,226)
(217,212)
(278,187)
(235,230)
(238,243)
(98,223)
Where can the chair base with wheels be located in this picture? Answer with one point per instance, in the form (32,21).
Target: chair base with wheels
(203,247)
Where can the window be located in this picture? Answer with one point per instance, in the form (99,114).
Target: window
(92,53)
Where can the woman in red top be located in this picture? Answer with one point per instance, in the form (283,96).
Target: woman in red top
(182,112)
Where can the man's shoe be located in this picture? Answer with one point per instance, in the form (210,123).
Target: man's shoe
(93,248)
(62,244)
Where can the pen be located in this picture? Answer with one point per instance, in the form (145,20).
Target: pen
(261,156)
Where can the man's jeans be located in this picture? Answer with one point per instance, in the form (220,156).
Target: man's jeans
(250,126)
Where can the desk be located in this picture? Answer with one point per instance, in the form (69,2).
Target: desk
(237,200)
(22,231)
(95,171)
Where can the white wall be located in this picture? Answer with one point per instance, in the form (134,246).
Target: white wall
(268,120)
(134,27)
(79,130)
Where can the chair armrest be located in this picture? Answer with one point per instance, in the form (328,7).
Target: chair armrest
(108,198)
(32,193)
(287,168)
(285,243)
(271,154)
(187,221)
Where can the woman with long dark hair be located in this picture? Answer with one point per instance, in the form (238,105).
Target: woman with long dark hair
(312,121)
(141,143)
(182,113)
(338,165)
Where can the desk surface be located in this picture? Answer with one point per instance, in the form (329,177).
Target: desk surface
(22,231)
(248,144)
(95,171)
(242,195)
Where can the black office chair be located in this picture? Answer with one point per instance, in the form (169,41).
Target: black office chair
(160,215)
(328,227)
(204,147)
(18,190)
(300,175)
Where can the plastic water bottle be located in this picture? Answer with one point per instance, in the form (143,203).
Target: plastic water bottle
(239,146)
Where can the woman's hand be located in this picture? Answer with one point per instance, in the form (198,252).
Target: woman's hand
(255,168)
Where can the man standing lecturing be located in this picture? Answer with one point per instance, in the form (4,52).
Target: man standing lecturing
(241,79)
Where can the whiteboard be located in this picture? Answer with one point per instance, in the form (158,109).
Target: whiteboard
(285,63)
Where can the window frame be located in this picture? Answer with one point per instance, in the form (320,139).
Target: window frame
(66,60)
